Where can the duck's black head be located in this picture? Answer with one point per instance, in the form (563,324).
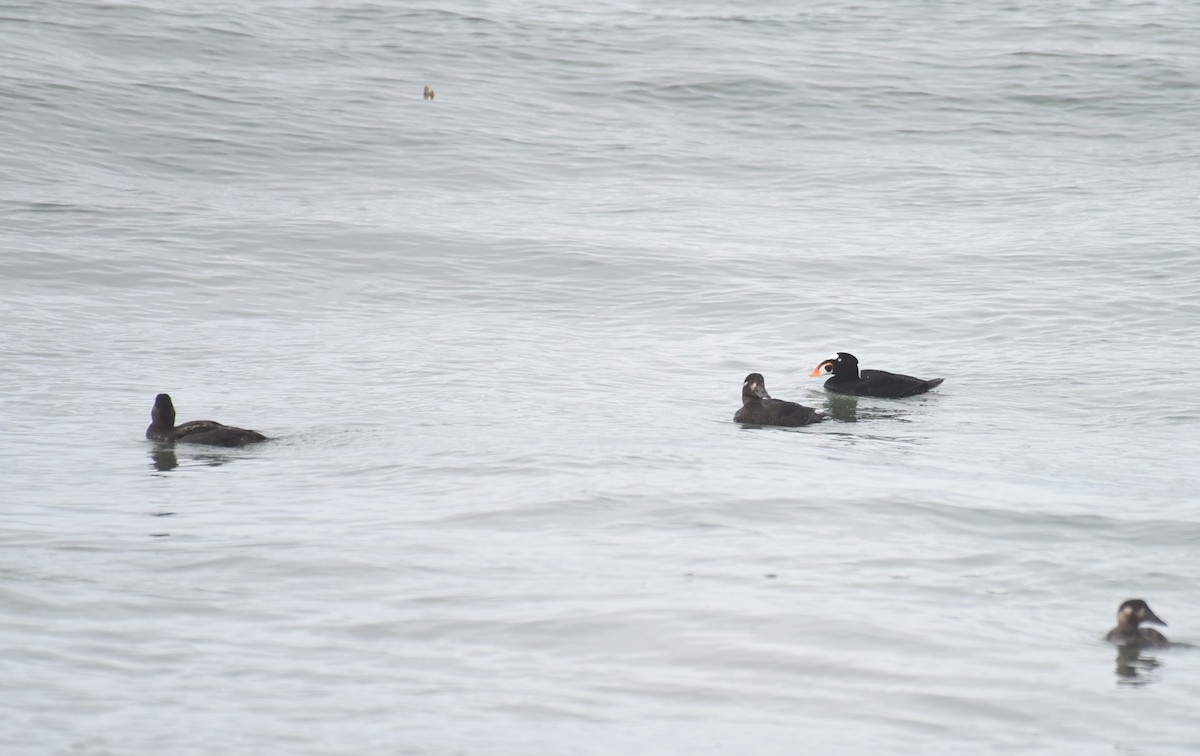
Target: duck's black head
(1135,611)
(163,414)
(754,387)
(841,364)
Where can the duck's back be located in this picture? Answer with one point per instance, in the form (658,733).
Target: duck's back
(1144,636)
(212,433)
(882,384)
(778,412)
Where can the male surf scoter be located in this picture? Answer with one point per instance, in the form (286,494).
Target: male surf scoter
(163,428)
(758,408)
(847,379)
(1127,633)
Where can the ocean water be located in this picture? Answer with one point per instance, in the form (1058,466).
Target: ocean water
(498,339)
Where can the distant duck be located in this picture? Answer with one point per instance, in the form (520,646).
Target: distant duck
(758,408)
(428,92)
(163,428)
(1127,633)
(847,379)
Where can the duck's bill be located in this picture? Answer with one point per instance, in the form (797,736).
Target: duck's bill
(818,369)
(1152,617)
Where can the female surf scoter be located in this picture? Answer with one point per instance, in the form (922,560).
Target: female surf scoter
(758,408)
(163,428)
(878,383)
(1127,633)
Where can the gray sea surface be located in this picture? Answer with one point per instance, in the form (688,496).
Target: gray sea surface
(498,339)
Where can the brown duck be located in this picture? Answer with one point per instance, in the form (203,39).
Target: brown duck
(163,428)
(1127,633)
(758,408)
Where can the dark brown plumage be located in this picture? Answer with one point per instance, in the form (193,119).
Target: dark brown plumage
(163,428)
(758,408)
(1127,633)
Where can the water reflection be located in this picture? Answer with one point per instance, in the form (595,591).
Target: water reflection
(845,408)
(164,459)
(1135,667)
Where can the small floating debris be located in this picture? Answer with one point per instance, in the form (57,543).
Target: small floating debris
(428,92)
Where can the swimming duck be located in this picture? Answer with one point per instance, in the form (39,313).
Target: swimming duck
(1127,633)
(847,379)
(163,428)
(758,408)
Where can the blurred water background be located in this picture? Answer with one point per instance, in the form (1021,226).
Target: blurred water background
(498,339)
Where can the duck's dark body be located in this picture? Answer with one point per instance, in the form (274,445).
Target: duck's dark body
(1127,633)
(206,432)
(1146,637)
(758,408)
(881,384)
(848,379)
(163,428)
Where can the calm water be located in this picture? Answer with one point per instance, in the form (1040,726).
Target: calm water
(499,338)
